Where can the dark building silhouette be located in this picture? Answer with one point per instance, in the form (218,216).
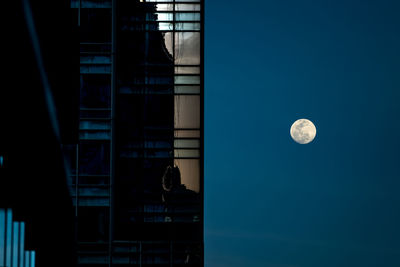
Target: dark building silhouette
(38,115)
(137,168)
(101,139)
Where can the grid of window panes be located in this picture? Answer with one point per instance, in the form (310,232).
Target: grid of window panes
(91,157)
(156,212)
(158,203)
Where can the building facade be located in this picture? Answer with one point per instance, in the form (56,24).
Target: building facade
(137,170)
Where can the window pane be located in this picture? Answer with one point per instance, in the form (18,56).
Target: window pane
(96,3)
(187,48)
(95,59)
(165,26)
(187,70)
(187,89)
(95,135)
(187,7)
(95,69)
(95,91)
(186,143)
(187,16)
(94,158)
(187,111)
(165,16)
(187,79)
(165,7)
(91,3)
(94,125)
(187,133)
(190,173)
(95,25)
(187,153)
(187,26)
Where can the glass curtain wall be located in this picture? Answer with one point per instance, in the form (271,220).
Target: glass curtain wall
(137,178)
(91,158)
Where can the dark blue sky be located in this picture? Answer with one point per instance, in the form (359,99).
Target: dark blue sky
(268,200)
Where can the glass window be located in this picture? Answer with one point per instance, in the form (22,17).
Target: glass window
(187,70)
(187,48)
(187,133)
(94,158)
(91,3)
(165,26)
(187,16)
(95,25)
(179,79)
(165,16)
(187,89)
(95,90)
(96,3)
(160,1)
(95,59)
(187,7)
(95,135)
(165,7)
(95,69)
(94,125)
(187,111)
(186,143)
(187,153)
(187,26)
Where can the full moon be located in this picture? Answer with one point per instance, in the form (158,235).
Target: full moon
(303,131)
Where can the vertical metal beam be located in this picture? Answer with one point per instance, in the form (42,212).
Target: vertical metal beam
(79,13)
(202,11)
(113,112)
(76,180)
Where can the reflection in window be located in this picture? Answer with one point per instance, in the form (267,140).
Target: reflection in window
(187,7)
(187,26)
(190,173)
(187,70)
(187,111)
(187,16)
(187,48)
(187,133)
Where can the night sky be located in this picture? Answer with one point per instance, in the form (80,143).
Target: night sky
(270,201)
